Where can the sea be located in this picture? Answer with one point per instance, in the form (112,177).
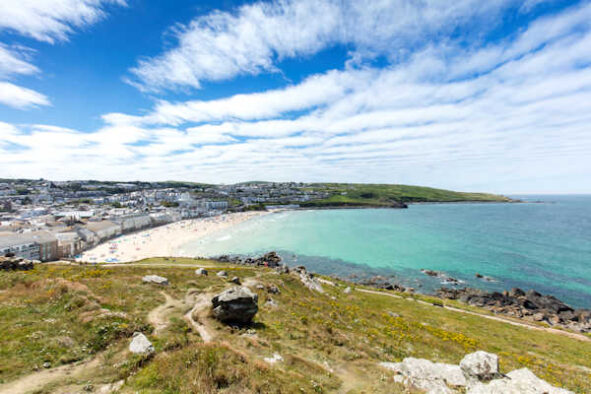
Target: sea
(543,243)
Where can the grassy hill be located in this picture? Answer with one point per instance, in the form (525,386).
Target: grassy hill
(343,194)
(79,319)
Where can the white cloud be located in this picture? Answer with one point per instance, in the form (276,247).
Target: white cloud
(50,20)
(252,39)
(13,61)
(494,118)
(317,90)
(19,97)
(43,20)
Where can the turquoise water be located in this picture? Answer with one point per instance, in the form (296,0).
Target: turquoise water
(545,246)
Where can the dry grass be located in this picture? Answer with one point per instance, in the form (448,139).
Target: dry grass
(329,342)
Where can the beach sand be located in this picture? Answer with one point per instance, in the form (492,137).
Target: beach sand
(164,240)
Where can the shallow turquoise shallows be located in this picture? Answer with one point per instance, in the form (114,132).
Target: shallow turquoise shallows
(545,246)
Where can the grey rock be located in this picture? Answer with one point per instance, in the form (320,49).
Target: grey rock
(429,376)
(159,280)
(140,344)
(480,365)
(520,381)
(201,271)
(222,274)
(235,305)
(273,289)
(347,290)
(235,280)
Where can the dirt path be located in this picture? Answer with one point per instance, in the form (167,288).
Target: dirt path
(38,380)
(158,316)
(569,334)
(200,310)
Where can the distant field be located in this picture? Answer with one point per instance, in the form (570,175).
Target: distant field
(387,195)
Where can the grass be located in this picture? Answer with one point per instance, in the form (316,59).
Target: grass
(376,195)
(329,342)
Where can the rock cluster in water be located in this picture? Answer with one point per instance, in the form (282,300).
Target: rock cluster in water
(478,373)
(271,259)
(446,279)
(529,305)
(12,263)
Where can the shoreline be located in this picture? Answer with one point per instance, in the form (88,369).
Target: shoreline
(163,241)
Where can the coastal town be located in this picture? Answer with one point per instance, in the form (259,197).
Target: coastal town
(45,220)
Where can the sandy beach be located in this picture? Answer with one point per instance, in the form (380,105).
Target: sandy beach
(164,240)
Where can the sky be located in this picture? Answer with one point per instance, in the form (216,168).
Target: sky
(466,95)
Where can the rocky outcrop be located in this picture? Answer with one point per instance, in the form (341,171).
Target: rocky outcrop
(529,305)
(271,259)
(237,305)
(429,376)
(159,280)
(140,344)
(379,282)
(477,374)
(307,278)
(518,381)
(12,263)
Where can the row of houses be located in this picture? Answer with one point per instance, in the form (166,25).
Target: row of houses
(35,245)
(47,245)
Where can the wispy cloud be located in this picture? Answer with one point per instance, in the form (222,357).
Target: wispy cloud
(43,20)
(13,61)
(50,20)
(19,97)
(255,37)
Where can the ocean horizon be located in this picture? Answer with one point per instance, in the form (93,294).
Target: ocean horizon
(542,244)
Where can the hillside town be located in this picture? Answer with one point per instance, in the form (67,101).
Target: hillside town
(45,220)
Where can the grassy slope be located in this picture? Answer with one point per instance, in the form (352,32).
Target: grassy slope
(383,195)
(328,342)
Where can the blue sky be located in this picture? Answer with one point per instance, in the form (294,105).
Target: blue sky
(469,95)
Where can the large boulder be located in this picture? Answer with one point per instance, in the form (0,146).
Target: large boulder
(235,305)
(159,280)
(521,381)
(140,344)
(480,365)
(429,376)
